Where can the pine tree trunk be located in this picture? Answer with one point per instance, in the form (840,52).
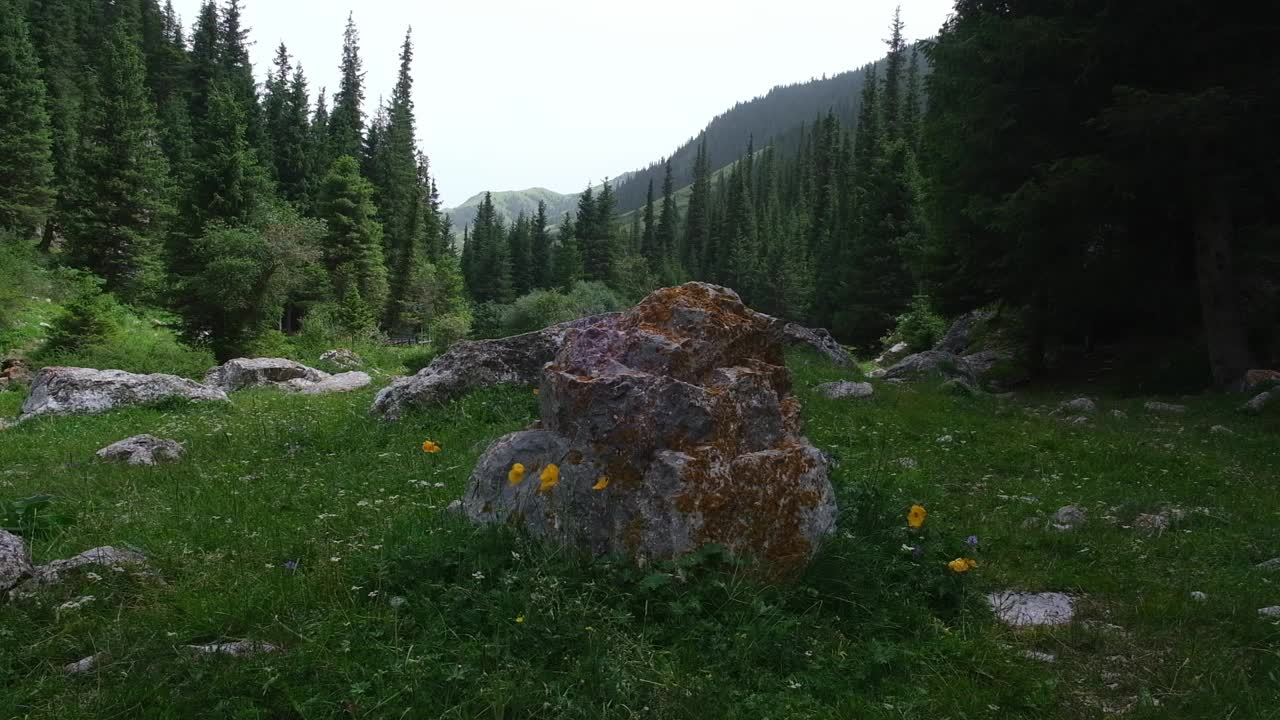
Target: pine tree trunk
(1229,356)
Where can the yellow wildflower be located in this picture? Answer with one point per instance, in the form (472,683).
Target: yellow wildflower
(550,477)
(535,392)
(962,565)
(520,619)
(916,516)
(430,447)
(602,483)
(516,474)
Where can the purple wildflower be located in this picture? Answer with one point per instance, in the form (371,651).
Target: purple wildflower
(971,540)
(290,564)
(917,552)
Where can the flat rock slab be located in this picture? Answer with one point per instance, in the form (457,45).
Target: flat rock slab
(845,389)
(52,573)
(85,391)
(1163,407)
(15,563)
(1026,609)
(242,373)
(239,648)
(84,665)
(342,382)
(142,450)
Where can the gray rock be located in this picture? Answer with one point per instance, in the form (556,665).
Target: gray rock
(1198,596)
(819,339)
(1272,564)
(1163,407)
(239,648)
(960,387)
(242,373)
(1022,609)
(931,363)
(1119,414)
(82,391)
(342,359)
(895,353)
(981,362)
(1152,524)
(908,463)
(1221,430)
(342,382)
(1078,406)
(142,450)
(1070,517)
(15,562)
(85,665)
(1039,656)
(475,364)
(672,426)
(1260,401)
(1079,420)
(52,573)
(1273,611)
(960,335)
(845,389)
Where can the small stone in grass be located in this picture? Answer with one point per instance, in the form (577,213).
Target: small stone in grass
(85,665)
(1198,596)
(1163,407)
(1079,405)
(1070,517)
(1221,430)
(1271,612)
(1272,564)
(1041,656)
(1028,609)
(239,648)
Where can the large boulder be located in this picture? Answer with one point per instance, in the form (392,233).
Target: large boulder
(930,363)
(892,355)
(342,359)
(960,335)
(671,426)
(474,364)
(82,391)
(242,373)
(819,339)
(15,563)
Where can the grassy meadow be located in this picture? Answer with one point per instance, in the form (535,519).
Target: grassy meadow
(302,522)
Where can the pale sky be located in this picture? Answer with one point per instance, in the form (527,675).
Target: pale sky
(561,93)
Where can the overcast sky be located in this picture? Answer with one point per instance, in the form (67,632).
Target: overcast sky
(513,94)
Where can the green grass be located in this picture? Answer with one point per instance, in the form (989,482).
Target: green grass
(867,632)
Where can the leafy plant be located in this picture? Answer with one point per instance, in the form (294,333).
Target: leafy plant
(33,516)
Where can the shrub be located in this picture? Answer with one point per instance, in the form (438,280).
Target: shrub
(449,329)
(542,308)
(919,327)
(89,317)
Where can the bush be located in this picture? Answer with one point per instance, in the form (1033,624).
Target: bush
(449,329)
(542,308)
(143,344)
(89,317)
(919,327)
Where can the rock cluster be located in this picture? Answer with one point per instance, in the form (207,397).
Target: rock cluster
(142,450)
(663,429)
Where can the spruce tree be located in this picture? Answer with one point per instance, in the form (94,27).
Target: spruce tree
(697,228)
(403,191)
(26,159)
(599,248)
(911,103)
(346,122)
(353,247)
(649,248)
(567,263)
(205,67)
(666,243)
(541,249)
(227,183)
(318,155)
(121,189)
(237,71)
(895,64)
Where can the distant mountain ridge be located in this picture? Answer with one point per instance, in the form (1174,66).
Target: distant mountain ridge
(510,203)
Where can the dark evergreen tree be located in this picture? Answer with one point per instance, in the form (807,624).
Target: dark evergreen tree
(567,262)
(650,250)
(541,249)
(205,65)
(26,160)
(666,243)
(894,67)
(227,182)
(353,248)
(121,189)
(520,242)
(403,186)
(697,228)
(346,122)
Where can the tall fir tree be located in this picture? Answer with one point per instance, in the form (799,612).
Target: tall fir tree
(402,190)
(122,188)
(205,67)
(666,243)
(26,153)
(237,71)
(567,262)
(541,248)
(697,227)
(346,121)
(649,247)
(894,67)
(353,247)
(520,241)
